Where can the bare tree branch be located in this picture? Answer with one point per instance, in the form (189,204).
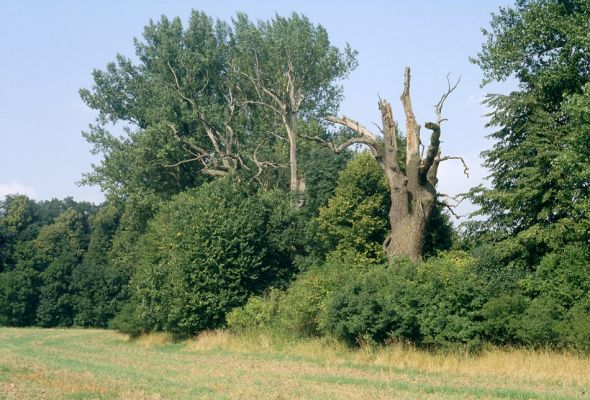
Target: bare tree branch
(439,106)
(465,167)
(354,125)
(412,127)
(434,146)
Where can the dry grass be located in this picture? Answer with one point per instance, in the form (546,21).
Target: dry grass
(531,365)
(97,364)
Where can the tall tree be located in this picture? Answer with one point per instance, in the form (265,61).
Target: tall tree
(291,71)
(412,185)
(544,45)
(201,101)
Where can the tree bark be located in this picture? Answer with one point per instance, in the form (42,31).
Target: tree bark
(413,189)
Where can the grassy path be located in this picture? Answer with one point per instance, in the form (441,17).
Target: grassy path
(100,364)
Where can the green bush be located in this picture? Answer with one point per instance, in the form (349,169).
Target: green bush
(433,304)
(451,300)
(540,323)
(207,251)
(258,312)
(502,319)
(127,321)
(379,304)
(300,311)
(574,329)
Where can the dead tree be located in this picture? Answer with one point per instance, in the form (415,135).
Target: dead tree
(413,188)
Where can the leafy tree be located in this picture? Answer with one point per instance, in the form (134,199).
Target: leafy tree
(544,45)
(177,104)
(206,251)
(98,285)
(19,295)
(290,69)
(61,247)
(355,219)
(196,104)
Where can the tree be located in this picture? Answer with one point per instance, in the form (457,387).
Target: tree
(290,69)
(207,250)
(61,247)
(412,186)
(176,103)
(538,177)
(355,219)
(201,101)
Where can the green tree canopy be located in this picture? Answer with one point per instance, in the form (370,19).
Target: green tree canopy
(209,98)
(544,45)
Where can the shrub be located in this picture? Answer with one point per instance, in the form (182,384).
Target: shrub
(206,252)
(258,312)
(128,321)
(575,327)
(450,301)
(301,310)
(378,304)
(502,319)
(435,303)
(539,325)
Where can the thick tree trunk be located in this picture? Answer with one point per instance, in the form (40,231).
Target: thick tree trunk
(408,230)
(412,190)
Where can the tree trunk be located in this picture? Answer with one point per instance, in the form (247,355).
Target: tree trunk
(407,231)
(294,180)
(412,190)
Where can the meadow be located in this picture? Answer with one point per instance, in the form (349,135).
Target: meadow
(103,364)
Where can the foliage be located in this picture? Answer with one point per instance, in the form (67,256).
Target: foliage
(376,306)
(259,312)
(192,103)
(19,296)
(536,170)
(434,304)
(206,251)
(355,218)
(300,311)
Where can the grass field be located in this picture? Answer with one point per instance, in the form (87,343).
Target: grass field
(100,364)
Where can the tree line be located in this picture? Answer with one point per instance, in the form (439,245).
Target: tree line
(238,196)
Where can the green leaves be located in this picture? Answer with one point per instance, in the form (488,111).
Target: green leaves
(203,99)
(206,251)
(536,165)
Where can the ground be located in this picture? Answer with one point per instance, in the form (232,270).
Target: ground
(102,364)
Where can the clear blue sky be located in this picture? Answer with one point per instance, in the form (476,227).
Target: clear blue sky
(49,49)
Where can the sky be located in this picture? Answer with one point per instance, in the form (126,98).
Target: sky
(49,49)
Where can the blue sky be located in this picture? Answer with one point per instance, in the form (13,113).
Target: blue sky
(49,49)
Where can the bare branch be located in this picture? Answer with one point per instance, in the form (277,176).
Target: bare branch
(439,106)
(178,89)
(263,164)
(199,158)
(194,147)
(262,103)
(412,127)
(259,87)
(354,125)
(466,168)
(451,207)
(365,137)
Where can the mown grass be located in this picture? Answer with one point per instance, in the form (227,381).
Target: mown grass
(100,364)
